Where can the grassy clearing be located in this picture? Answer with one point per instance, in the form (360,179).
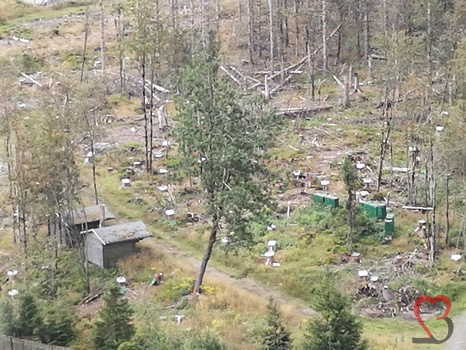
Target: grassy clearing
(13,13)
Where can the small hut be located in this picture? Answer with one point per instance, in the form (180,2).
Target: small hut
(67,226)
(104,246)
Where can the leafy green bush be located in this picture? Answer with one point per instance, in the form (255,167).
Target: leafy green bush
(73,59)
(29,64)
(206,341)
(174,289)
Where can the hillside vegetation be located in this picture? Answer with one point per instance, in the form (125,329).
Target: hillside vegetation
(236,116)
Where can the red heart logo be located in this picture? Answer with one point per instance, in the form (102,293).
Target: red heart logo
(432,301)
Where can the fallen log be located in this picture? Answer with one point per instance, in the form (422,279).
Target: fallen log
(91,297)
(230,75)
(297,112)
(417,208)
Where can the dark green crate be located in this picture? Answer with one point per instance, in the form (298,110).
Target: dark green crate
(318,198)
(331,201)
(389,227)
(376,210)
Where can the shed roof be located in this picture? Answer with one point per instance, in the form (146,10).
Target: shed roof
(90,214)
(131,231)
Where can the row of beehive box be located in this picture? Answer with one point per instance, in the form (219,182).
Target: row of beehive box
(373,209)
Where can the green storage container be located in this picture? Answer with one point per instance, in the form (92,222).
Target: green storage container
(376,210)
(381,211)
(389,227)
(318,198)
(331,201)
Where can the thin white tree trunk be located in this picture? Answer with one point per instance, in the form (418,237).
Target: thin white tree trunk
(324,37)
(271,36)
(102,39)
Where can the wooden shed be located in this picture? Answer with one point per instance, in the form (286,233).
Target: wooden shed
(67,226)
(104,246)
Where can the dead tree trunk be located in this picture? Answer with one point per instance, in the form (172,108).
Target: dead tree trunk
(251,30)
(86,36)
(433,195)
(447,211)
(366,30)
(271,36)
(429,57)
(324,36)
(384,139)
(144,107)
(119,29)
(102,40)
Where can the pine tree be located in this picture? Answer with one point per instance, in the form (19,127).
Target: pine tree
(114,326)
(350,178)
(58,329)
(276,336)
(8,320)
(30,321)
(335,328)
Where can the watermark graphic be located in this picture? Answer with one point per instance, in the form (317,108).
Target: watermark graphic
(417,313)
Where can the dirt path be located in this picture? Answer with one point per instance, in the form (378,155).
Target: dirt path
(246,284)
(458,338)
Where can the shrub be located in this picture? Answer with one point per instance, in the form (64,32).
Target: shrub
(175,288)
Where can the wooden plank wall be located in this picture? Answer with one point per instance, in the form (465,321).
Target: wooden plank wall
(115,251)
(10,343)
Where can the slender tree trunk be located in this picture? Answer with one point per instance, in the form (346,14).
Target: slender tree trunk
(144,104)
(350,207)
(86,36)
(324,36)
(192,16)
(203,19)
(366,30)
(102,41)
(385,137)
(280,42)
(24,235)
(447,212)
(384,16)
(151,117)
(297,28)
(218,10)
(251,30)
(285,26)
(240,12)
(271,36)
(429,56)
(259,26)
(207,254)
(94,176)
(391,165)
(433,190)
(340,36)
(119,28)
